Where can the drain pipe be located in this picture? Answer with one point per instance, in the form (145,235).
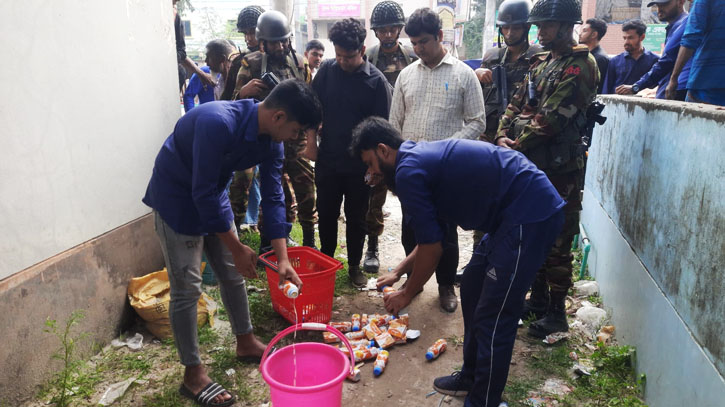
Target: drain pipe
(586,247)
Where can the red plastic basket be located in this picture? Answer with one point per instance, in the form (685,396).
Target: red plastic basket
(317,272)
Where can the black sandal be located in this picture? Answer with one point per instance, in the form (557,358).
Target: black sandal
(206,396)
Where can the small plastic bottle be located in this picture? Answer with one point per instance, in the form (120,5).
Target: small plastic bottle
(387,289)
(380,361)
(355,322)
(434,351)
(290,290)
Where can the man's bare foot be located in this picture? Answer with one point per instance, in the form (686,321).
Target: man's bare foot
(249,345)
(195,379)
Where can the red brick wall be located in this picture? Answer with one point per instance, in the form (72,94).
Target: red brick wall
(612,42)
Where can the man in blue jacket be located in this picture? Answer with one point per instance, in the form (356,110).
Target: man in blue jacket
(673,12)
(627,67)
(192,214)
(702,41)
(217,62)
(476,186)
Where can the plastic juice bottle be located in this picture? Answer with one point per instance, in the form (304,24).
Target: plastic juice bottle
(388,289)
(380,361)
(290,290)
(434,351)
(355,322)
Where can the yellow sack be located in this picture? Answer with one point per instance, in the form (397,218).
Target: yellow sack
(150,296)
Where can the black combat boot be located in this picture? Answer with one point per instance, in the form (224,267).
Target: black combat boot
(555,319)
(538,301)
(308,236)
(357,279)
(371,263)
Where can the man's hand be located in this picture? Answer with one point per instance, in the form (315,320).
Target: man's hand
(506,142)
(396,301)
(484,76)
(287,272)
(253,88)
(207,79)
(624,90)
(245,260)
(372,179)
(671,90)
(387,279)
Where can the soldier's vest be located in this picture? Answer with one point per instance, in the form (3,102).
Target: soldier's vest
(515,73)
(259,64)
(564,152)
(373,55)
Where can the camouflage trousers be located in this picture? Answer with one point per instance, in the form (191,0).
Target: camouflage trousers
(299,191)
(298,185)
(557,268)
(374,219)
(239,194)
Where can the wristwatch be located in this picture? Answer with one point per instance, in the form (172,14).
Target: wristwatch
(635,88)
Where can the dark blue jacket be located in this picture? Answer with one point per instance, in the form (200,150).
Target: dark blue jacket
(196,162)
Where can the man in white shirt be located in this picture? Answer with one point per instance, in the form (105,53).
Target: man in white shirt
(436,97)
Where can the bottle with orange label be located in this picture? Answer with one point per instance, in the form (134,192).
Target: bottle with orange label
(380,361)
(355,322)
(290,290)
(434,351)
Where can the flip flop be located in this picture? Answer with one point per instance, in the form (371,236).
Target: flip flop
(206,396)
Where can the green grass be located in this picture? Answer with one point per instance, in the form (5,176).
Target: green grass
(517,390)
(595,300)
(613,383)
(167,394)
(552,360)
(207,335)
(136,363)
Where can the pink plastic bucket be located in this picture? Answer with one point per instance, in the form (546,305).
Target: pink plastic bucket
(321,369)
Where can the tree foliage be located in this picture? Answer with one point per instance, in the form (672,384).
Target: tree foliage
(184,5)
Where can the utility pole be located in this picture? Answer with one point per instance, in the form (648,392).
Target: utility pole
(286,7)
(489,25)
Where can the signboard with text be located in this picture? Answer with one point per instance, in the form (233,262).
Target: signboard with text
(338,10)
(654,39)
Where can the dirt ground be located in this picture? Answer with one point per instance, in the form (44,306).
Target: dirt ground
(408,377)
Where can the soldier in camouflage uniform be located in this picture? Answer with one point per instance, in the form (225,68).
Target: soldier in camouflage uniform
(278,57)
(242,181)
(545,121)
(513,58)
(390,57)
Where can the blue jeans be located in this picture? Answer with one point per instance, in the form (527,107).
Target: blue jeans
(252,216)
(182,254)
(493,289)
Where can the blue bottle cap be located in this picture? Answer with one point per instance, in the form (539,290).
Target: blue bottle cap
(377,370)
(355,328)
(429,355)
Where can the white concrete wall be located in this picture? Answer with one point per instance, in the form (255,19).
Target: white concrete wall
(654,210)
(90,93)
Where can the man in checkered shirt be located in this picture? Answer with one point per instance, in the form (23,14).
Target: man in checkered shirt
(436,97)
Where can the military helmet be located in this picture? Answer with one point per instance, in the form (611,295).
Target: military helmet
(387,13)
(273,26)
(512,12)
(568,11)
(248,18)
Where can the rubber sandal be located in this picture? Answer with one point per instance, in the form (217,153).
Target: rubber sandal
(206,396)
